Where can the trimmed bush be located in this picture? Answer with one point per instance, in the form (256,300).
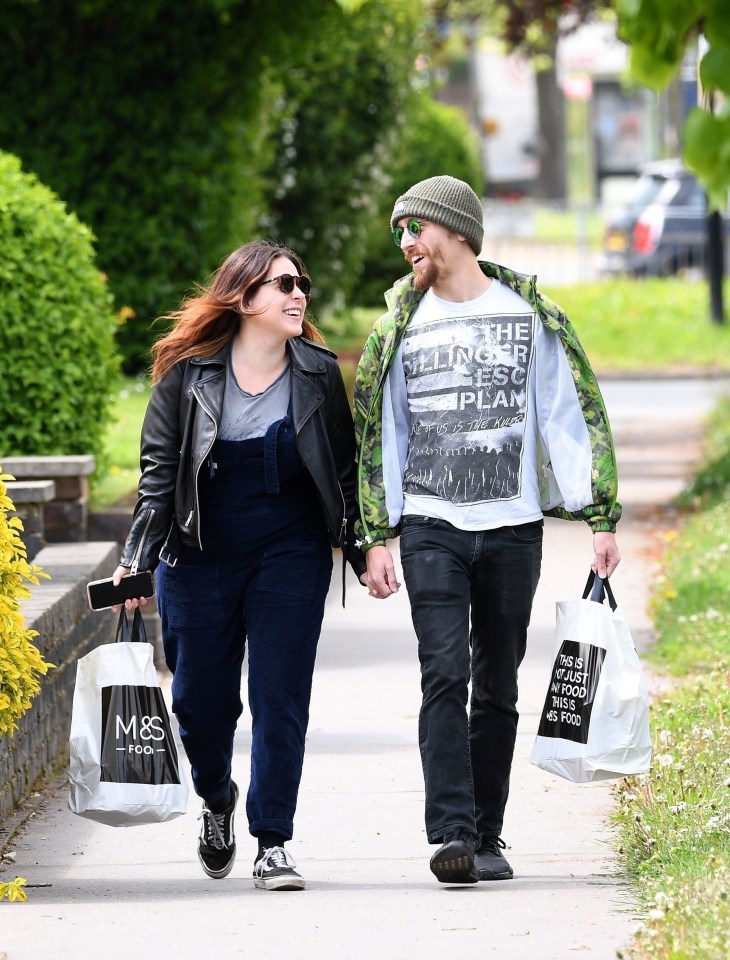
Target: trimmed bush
(57,330)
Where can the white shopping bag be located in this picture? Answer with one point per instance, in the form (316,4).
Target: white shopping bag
(595,721)
(124,768)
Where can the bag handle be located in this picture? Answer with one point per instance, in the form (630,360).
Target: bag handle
(598,587)
(136,633)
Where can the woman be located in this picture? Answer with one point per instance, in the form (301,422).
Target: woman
(248,480)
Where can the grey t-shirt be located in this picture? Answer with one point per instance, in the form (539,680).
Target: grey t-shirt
(247,415)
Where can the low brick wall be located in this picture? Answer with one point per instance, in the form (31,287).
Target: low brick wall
(59,611)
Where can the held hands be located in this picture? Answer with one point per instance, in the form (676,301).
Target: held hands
(129,604)
(607,557)
(380,578)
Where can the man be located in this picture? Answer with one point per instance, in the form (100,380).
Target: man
(476,412)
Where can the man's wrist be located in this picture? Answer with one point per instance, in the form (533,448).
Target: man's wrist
(376,540)
(602,526)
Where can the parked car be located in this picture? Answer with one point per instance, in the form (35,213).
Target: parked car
(663,228)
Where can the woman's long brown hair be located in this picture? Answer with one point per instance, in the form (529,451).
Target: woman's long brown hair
(207,322)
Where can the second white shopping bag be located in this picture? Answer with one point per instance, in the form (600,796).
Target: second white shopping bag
(594,723)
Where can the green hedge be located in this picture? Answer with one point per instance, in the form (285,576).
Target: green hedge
(339,104)
(150,120)
(167,127)
(57,332)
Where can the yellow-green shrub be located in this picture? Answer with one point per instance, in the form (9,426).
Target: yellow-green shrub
(20,660)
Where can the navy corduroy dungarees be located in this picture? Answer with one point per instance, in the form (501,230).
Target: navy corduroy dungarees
(261,580)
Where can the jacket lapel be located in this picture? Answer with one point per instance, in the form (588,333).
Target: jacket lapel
(307,385)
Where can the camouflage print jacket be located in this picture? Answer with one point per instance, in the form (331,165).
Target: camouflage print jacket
(377,524)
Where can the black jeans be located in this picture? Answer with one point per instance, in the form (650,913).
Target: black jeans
(471,597)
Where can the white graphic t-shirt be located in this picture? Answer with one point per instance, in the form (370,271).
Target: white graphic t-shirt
(469,378)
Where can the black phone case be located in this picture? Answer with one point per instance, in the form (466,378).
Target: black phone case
(103,594)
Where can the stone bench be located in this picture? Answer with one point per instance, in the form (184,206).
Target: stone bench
(65,515)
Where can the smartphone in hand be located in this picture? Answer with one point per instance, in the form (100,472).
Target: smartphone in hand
(103,594)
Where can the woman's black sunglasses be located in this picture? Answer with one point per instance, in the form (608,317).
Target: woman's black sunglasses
(286,281)
(414,227)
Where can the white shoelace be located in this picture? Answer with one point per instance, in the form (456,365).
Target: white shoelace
(213,825)
(273,858)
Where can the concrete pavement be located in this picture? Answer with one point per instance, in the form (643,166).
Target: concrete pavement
(360,842)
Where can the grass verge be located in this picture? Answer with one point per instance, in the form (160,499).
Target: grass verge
(654,324)
(121,444)
(674,822)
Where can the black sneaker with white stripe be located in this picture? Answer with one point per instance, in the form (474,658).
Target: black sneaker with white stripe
(217,843)
(274,870)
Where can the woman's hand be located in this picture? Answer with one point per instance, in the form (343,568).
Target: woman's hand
(116,580)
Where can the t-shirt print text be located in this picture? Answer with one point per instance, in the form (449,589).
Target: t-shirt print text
(467,383)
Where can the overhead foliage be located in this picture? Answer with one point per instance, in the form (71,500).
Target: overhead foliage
(659,34)
(530,25)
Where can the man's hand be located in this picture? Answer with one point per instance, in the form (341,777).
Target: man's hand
(380,578)
(607,557)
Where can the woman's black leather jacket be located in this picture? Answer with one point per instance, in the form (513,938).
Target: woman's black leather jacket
(181,424)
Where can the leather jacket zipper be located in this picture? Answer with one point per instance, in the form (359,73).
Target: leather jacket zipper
(138,552)
(196,504)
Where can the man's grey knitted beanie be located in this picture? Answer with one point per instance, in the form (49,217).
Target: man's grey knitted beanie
(447,201)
